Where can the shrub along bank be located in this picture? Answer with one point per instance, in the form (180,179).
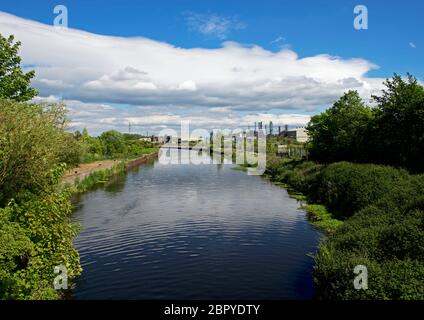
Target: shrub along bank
(382,209)
(36,233)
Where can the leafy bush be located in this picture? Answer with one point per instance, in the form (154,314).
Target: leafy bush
(389,242)
(321,218)
(114,143)
(35,230)
(300,175)
(109,145)
(31,146)
(383,228)
(44,220)
(36,235)
(345,188)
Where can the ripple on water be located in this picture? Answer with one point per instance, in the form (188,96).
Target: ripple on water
(193,231)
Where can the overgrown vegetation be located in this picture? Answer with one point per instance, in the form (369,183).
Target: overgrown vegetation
(35,230)
(321,218)
(375,212)
(110,145)
(99,177)
(390,133)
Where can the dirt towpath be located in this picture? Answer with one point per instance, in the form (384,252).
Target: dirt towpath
(84,170)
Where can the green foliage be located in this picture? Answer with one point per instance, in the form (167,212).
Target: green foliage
(138,148)
(14,83)
(388,241)
(31,146)
(383,226)
(340,132)
(133,136)
(345,188)
(110,145)
(299,175)
(384,205)
(46,241)
(114,143)
(392,133)
(398,137)
(321,218)
(35,230)
(72,150)
(99,177)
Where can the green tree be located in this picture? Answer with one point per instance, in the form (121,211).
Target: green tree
(399,126)
(114,143)
(35,229)
(340,132)
(85,135)
(14,82)
(31,146)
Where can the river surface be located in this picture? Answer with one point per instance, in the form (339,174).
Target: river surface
(193,232)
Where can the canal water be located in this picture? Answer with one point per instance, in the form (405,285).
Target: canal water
(186,231)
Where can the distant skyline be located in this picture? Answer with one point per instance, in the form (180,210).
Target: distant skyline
(219,64)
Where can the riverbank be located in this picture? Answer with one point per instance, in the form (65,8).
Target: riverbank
(85,176)
(158,232)
(376,220)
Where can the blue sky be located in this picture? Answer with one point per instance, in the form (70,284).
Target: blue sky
(393,42)
(309,27)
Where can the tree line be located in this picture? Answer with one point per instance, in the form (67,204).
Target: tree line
(389,132)
(364,183)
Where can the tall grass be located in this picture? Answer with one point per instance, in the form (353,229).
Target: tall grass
(99,177)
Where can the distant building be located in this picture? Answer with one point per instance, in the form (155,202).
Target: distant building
(147,139)
(299,134)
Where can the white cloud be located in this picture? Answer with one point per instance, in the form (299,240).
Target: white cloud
(278,39)
(213,24)
(100,117)
(412,45)
(157,77)
(188,85)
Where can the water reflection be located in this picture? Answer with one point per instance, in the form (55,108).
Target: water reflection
(193,231)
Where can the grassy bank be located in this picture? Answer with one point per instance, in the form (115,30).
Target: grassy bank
(99,177)
(102,176)
(375,215)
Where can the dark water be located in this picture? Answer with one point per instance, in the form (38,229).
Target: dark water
(193,232)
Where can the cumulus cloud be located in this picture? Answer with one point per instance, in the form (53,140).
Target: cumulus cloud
(231,81)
